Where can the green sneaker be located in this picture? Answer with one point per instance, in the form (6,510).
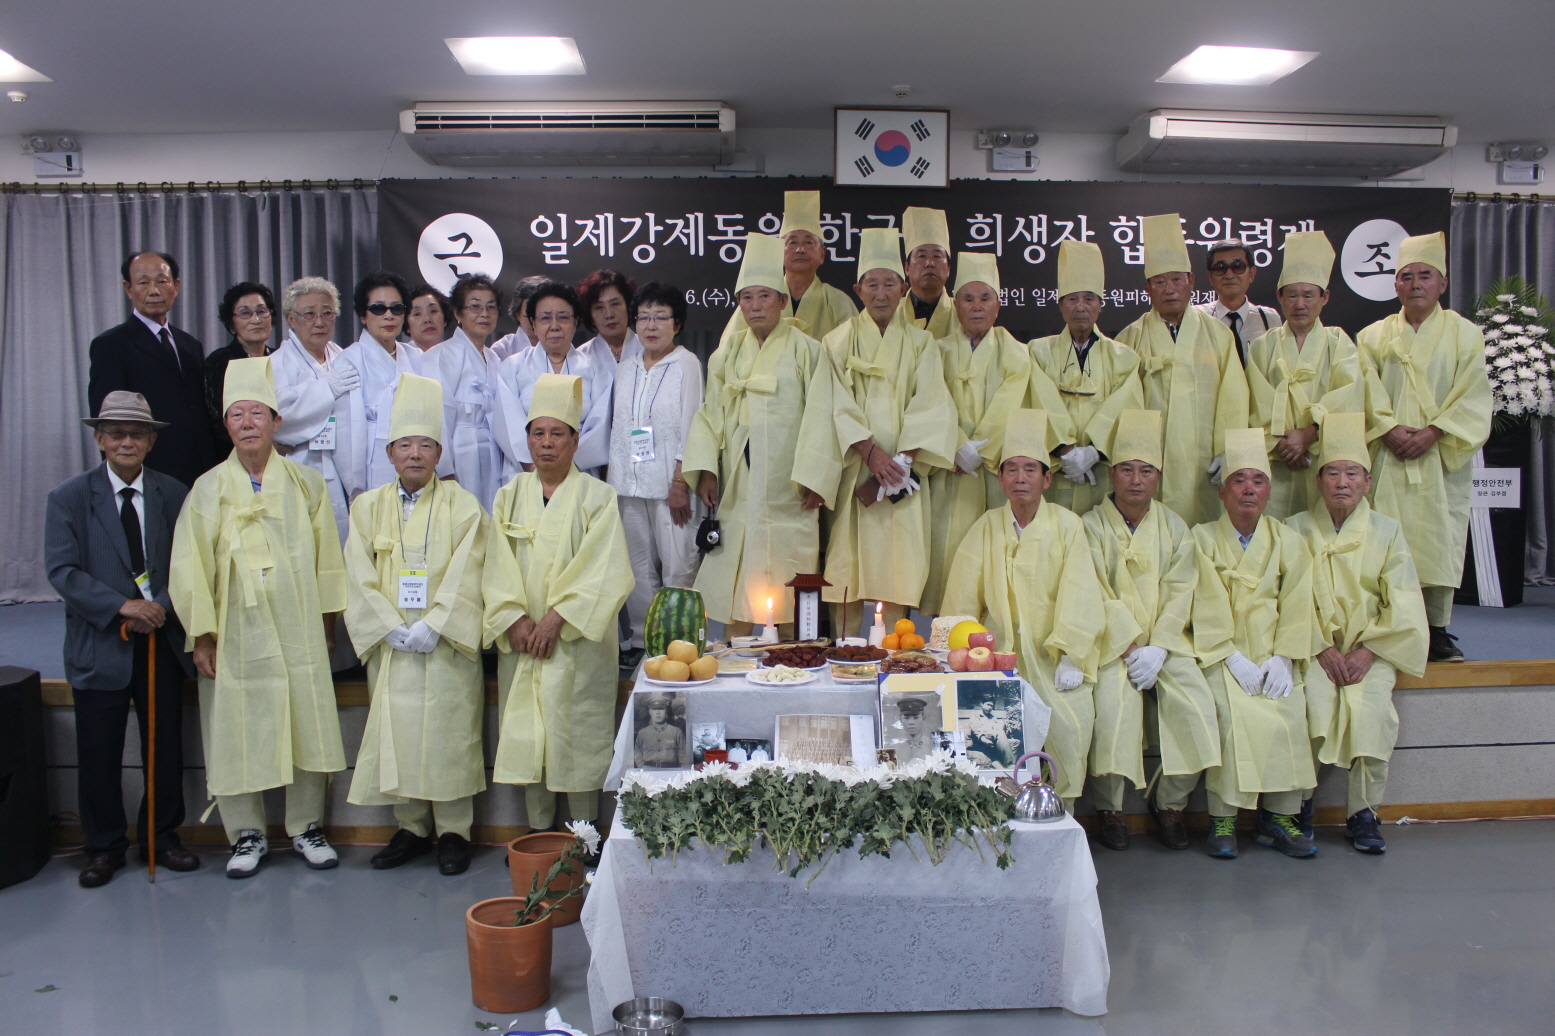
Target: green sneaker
(1283,832)
(1222,838)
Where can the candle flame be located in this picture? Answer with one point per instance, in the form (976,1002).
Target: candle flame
(769,604)
(879,607)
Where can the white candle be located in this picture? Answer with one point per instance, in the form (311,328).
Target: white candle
(770,632)
(877,631)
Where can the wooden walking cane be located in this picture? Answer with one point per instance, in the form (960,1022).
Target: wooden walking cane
(151,748)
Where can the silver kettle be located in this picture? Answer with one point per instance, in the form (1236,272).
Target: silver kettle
(1035,801)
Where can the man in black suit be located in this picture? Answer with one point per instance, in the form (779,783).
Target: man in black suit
(107,545)
(146,354)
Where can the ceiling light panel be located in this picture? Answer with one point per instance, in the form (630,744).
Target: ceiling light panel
(13,71)
(518,55)
(1237,66)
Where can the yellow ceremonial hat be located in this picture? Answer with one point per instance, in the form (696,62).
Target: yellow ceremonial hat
(922,226)
(972,267)
(1344,438)
(1430,249)
(418,408)
(249,378)
(763,264)
(801,211)
(1245,448)
(1026,436)
(559,396)
(879,248)
(1309,259)
(1165,249)
(1138,437)
(1080,268)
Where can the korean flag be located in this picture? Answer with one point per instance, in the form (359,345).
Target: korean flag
(892,148)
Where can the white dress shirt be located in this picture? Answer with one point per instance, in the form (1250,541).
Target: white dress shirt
(156,330)
(139,497)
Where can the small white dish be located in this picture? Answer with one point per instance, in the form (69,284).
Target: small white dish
(677,683)
(755,677)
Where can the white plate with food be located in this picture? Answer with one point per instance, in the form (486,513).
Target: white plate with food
(781,676)
(677,683)
(855,672)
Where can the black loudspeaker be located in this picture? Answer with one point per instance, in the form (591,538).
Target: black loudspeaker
(24,796)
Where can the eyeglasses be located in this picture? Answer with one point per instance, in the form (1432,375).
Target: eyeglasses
(481,307)
(378,309)
(652,319)
(1236,266)
(251,314)
(322,316)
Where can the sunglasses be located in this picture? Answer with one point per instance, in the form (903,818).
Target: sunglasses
(1237,266)
(378,309)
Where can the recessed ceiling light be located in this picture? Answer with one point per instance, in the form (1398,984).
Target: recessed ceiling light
(1237,66)
(518,55)
(13,71)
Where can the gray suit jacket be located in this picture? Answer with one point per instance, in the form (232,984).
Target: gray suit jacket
(88,562)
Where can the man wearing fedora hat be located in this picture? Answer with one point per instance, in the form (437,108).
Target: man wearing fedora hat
(107,545)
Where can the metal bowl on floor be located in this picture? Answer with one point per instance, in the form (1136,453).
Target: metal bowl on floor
(649,1016)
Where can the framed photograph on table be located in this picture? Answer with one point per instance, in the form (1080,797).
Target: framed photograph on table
(891,147)
(660,742)
(989,717)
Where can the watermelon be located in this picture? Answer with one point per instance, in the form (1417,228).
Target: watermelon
(675,614)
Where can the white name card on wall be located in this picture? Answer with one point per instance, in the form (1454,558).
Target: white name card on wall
(1497,487)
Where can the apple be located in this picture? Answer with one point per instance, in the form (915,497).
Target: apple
(983,639)
(957,659)
(1004,660)
(979,660)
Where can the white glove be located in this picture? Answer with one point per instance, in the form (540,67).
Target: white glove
(397,638)
(1214,469)
(1077,463)
(967,457)
(1277,680)
(1248,675)
(421,638)
(342,379)
(901,460)
(1067,676)
(1144,666)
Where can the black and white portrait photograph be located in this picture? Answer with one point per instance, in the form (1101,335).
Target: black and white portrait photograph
(661,742)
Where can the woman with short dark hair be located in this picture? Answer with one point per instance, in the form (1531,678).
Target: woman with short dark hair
(467,367)
(247,311)
(429,318)
(524,337)
(381,301)
(605,297)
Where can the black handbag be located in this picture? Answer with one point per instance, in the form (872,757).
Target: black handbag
(708,534)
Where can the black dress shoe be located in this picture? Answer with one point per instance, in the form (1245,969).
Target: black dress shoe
(402,848)
(99,869)
(174,859)
(1170,831)
(1443,647)
(453,854)
(1113,832)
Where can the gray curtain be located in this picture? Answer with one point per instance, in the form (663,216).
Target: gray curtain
(60,287)
(1493,238)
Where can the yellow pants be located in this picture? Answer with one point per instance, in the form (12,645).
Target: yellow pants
(1286,803)
(540,804)
(1171,791)
(1368,782)
(1438,604)
(418,816)
(304,805)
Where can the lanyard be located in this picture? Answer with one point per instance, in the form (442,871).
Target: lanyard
(641,417)
(427,540)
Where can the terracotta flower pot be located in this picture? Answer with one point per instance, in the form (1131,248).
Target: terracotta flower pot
(531,857)
(510,967)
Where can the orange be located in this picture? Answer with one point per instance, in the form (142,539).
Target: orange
(904,627)
(891,642)
(913,642)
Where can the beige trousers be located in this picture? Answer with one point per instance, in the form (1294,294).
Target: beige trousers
(305,797)
(418,816)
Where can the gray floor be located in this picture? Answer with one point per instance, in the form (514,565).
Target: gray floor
(1448,933)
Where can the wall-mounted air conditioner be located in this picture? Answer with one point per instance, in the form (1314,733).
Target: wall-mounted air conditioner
(586,133)
(1281,144)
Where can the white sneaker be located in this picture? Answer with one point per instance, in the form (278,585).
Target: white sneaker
(251,848)
(315,849)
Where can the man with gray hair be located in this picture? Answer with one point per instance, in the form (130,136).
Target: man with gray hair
(1231,272)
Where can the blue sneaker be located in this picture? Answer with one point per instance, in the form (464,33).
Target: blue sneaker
(1222,838)
(1365,833)
(1283,833)
(1304,818)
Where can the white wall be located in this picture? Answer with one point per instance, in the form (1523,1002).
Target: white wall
(372,155)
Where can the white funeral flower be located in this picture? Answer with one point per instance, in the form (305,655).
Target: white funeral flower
(1506,298)
(1528,311)
(1500,318)
(1503,360)
(1542,366)
(1543,382)
(1512,329)
(1536,329)
(1492,333)
(716,769)
(941,761)
(1507,375)
(1525,374)
(586,833)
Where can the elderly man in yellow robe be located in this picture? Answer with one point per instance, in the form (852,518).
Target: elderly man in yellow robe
(1097,378)
(415,555)
(927,304)
(257,579)
(1428,412)
(557,573)
(1253,634)
(815,306)
(1025,570)
(1148,564)
(763,449)
(989,373)
(1191,373)
(897,422)
(1370,621)
(1300,372)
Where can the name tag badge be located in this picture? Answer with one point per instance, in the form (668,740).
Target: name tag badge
(143,581)
(413,588)
(325,440)
(641,442)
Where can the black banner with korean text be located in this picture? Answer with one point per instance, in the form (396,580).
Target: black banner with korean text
(689,232)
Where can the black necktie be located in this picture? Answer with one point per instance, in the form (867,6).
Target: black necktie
(1236,332)
(131,522)
(167,340)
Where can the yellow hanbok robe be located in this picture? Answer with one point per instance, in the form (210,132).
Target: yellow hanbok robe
(820,309)
(1198,384)
(423,735)
(894,393)
(259,570)
(1148,577)
(1257,601)
(765,428)
(556,715)
(1434,376)
(1093,397)
(939,323)
(1038,591)
(1297,388)
(1365,592)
